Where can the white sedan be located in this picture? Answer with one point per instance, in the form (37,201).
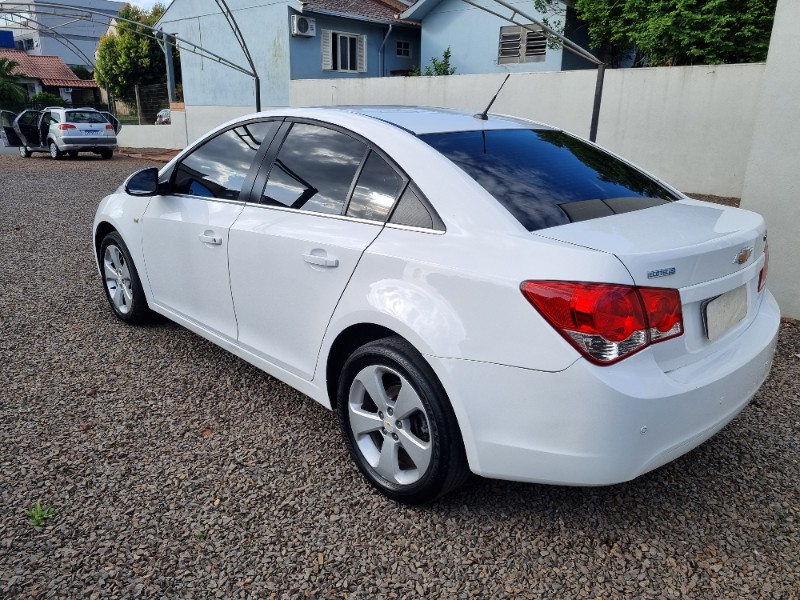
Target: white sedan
(494,296)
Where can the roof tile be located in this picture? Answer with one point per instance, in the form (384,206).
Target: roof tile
(50,70)
(387,11)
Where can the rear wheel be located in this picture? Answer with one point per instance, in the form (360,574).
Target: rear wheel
(106,154)
(55,153)
(121,281)
(24,152)
(398,423)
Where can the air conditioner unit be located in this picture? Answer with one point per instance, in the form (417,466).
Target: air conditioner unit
(304,26)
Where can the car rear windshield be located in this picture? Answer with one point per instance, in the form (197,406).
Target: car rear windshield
(547,178)
(80,116)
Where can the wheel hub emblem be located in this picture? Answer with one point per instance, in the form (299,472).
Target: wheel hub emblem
(387,423)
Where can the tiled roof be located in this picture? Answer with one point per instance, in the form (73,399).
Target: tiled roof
(384,11)
(50,70)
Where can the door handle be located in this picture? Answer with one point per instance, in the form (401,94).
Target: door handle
(322,261)
(210,238)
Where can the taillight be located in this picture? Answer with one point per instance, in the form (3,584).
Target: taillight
(607,322)
(63,126)
(762,277)
(109,126)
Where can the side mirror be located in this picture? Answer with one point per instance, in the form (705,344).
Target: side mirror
(143,183)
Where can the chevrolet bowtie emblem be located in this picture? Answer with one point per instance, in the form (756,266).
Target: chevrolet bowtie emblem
(743,256)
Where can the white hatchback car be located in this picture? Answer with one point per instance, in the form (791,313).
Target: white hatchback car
(494,296)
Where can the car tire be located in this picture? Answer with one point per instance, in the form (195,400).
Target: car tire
(73,154)
(55,153)
(24,152)
(389,394)
(121,281)
(106,154)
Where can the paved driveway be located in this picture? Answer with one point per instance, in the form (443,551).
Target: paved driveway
(178,471)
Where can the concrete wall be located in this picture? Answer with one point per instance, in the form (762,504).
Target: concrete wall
(691,126)
(155,136)
(772,184)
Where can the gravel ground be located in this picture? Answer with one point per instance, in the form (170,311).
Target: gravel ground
(178,471)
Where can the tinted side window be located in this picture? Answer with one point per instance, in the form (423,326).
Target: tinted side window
(540,176)
(411,211)
(314,170)
(218,168)
(376,190)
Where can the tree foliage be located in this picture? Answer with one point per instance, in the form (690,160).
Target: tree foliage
(676,32)
(129,56)
(438,66)
(12,95)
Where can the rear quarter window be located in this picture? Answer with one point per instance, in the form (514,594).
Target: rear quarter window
(547,178)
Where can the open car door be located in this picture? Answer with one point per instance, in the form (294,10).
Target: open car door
(8,137)
(113,120)
(26,126)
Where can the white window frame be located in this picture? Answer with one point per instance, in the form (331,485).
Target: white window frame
(518,44)
(407,47)
(331,37)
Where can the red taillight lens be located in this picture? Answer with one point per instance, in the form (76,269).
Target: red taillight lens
(762,277)
(63,126)
(109,126)
(607,322)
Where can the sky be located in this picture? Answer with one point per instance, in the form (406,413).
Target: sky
(148,4)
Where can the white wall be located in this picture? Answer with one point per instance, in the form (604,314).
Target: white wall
(691,126)
(155,136)
(772,185)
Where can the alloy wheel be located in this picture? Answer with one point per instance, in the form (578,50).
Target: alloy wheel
(118,279)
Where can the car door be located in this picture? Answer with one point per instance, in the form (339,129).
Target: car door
(185,231)
(113,120)
(7,124)
(26,126)
(316,207)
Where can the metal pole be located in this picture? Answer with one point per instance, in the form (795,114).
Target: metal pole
(170,67)
(138,103)
(598,97)
(258,92)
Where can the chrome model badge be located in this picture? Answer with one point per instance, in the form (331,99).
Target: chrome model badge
(743,256)
(661,273)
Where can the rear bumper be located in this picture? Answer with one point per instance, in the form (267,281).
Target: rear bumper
(590,425)
(76,143)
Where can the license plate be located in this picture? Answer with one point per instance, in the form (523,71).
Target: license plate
(91,131)
(723,312)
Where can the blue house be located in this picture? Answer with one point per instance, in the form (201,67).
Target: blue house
(484,43)
(289,39)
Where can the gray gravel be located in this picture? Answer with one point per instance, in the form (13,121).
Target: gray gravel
(179,471)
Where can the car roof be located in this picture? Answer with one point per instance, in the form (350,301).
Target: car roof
(421,120)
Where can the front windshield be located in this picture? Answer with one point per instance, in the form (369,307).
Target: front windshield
(547,178)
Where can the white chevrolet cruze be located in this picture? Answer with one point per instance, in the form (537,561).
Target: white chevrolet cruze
(485,295)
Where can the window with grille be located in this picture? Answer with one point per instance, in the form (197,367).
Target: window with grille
(403,49)
(344,52)
(519,44)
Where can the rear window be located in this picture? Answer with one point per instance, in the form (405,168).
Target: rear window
(79,116)
(547,178)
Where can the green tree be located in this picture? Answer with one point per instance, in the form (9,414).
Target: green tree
(676,32)
(129,56)
(12,95)
(438,66)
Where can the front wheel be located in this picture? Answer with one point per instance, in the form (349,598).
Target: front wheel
(398,423)
(55,153)
(121,281)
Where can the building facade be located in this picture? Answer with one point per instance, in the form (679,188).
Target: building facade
(62,32)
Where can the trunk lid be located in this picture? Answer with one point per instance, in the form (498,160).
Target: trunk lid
(703,250)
